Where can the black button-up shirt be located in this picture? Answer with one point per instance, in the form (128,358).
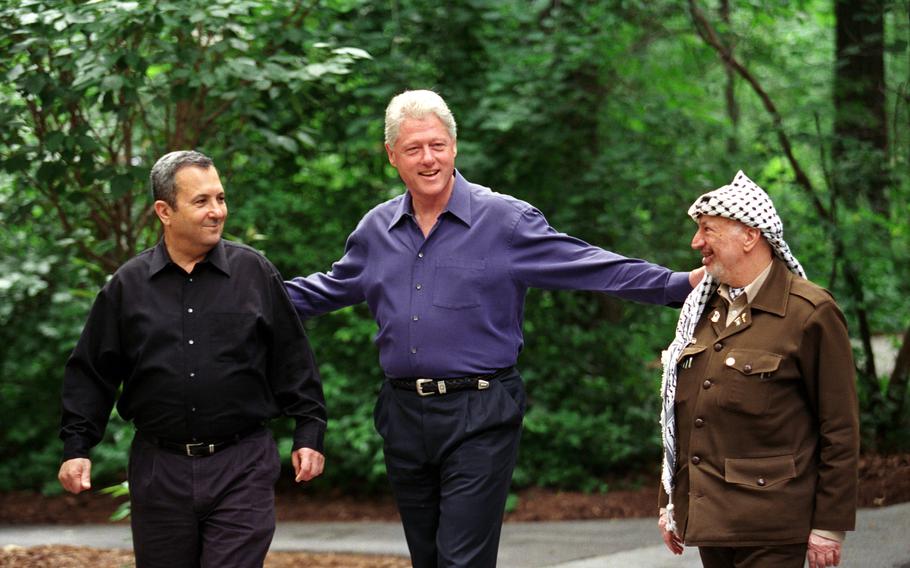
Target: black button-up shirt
(201,356)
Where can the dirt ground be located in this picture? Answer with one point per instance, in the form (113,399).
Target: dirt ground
(884,480)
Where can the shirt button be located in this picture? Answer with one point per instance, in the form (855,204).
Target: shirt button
(730,361)
(699,422)
(413,350)
(191,279)
(193,409)
(419,286)
(192,375)
(420,255)
(189,310)
(696,460)
(415,317)
(761,482)
(706,384)
(190,341)
(718,346)
(747,368)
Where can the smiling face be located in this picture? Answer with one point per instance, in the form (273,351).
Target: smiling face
(424,155)
(722,243)
(194,225)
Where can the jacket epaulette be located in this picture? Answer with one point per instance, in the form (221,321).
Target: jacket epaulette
(811,292)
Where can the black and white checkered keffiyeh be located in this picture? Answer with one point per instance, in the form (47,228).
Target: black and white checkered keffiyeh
(742,200)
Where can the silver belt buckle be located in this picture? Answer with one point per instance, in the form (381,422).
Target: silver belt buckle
(420,383)
(189,448)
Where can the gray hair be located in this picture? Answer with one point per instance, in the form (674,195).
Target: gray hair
(165,169)
(416,104)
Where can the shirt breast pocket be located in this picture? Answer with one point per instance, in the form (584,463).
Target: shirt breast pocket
(747,378)
(458,283)
(233,336)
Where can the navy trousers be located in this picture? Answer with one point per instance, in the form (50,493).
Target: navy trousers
(213,511)
(450,460)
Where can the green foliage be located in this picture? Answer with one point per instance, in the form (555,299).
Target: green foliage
(609,116)
(121,489)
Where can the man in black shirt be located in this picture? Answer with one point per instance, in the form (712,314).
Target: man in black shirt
(201,335)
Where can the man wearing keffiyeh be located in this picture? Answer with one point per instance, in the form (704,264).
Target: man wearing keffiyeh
(760,421)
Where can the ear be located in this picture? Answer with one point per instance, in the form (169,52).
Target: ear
(164,211)
(391,154)
(751,238)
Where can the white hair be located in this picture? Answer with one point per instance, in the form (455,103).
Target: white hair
(416,104)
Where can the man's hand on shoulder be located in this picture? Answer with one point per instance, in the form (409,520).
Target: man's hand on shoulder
(308,464)
(696,275)
(823,552)
(76,475)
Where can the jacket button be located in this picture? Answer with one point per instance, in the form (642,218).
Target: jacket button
(747,368)
(696,460)
(699,422)
(761,481)
(718,346)
(706,384)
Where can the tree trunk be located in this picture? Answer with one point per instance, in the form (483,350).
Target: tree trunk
(860,148)
(897,386)
(730,85)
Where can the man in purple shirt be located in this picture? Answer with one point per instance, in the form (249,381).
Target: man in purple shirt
(445,268)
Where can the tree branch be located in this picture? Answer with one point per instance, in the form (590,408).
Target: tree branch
(709,35)
(854,284)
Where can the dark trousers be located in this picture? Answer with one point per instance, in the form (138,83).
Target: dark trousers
(213,511)
(450,460)
(782,556)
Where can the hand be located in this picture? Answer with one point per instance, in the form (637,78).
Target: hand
(696,275)
(76,475)
(671,539)
(308,464)
(823,552)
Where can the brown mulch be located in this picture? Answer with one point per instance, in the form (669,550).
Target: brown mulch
(81,557)
(884,480)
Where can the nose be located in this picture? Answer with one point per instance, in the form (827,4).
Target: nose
(698,241)
(426,155)
(217,210)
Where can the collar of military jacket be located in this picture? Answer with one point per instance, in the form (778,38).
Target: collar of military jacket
(772,297)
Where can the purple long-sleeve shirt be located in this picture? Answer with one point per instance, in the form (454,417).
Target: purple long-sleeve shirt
(452,304)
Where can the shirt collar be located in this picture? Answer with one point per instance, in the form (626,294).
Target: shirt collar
(459,203)
(217,257)
(751,289)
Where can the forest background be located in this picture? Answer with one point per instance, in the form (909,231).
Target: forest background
(610,116)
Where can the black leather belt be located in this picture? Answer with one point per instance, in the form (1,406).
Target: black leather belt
(426,386)
(197,449)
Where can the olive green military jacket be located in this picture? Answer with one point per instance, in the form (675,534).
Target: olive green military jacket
(768,428)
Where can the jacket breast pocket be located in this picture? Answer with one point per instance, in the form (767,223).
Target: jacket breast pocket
(458,283)
(689,367)
(688,356)
(746,380)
